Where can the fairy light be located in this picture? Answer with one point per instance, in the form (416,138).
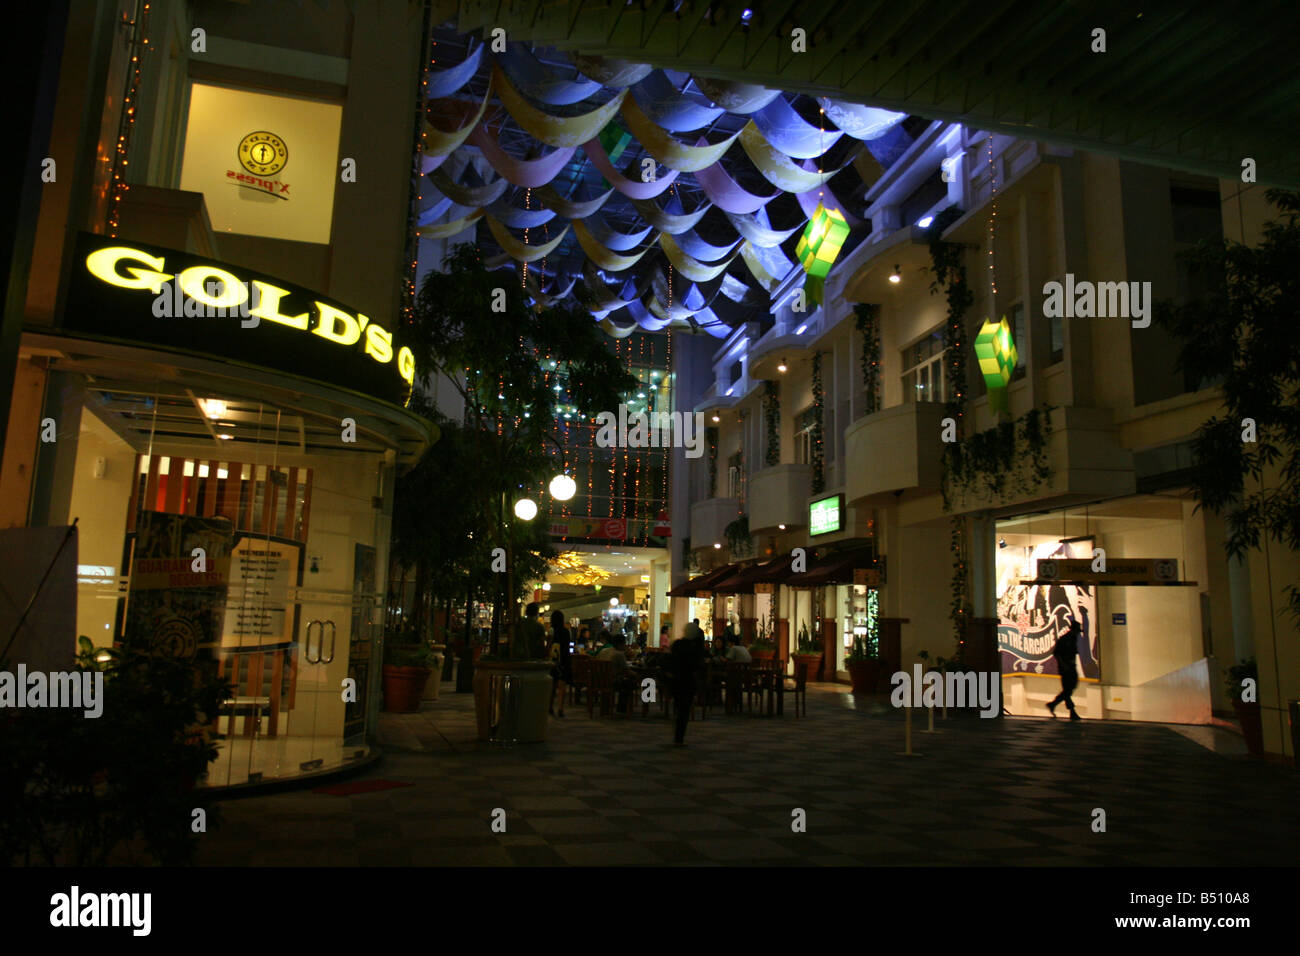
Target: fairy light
(821,134)
(993,218)
(118,185)
(528,205)
(413,207)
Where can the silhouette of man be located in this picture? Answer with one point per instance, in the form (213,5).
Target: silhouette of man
(687,660)
(1066,650)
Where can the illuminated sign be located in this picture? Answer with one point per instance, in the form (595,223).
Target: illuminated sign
(231,312)
(263,153)
(826,515)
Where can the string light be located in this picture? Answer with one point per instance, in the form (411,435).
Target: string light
(118,185)
(993,216)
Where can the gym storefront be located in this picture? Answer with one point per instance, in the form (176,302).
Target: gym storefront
(227,443)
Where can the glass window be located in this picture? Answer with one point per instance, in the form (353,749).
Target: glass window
(923,378)
(803,435)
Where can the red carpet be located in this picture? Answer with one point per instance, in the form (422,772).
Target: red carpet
(360,786)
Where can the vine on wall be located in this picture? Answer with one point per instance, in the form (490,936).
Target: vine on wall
(868,324)
(772,418)
(819,401)
(712,435)
(949,269)
(1011,455)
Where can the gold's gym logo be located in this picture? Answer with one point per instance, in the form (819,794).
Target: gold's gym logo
(263,153)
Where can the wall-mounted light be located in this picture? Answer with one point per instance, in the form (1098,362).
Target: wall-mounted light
(800,330)
(925,221)
(780,527)
(716,418)
(1002,542)
(717,546)
(896,276)
(782,367)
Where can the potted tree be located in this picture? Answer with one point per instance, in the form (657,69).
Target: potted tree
(808,650)
(1252,727)
(864,666)
(407,668)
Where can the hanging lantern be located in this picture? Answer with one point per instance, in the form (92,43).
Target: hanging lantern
(821,241)
(997,357)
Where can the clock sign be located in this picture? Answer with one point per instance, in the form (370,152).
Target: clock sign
(263,153)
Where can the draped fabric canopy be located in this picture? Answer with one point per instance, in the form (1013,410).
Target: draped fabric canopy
(653,198)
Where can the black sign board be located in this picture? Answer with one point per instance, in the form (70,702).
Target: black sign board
(124,290)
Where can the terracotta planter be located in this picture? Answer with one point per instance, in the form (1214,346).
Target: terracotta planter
(865,675)
(762,655)
(814,662)
(403,688)
(1252,727)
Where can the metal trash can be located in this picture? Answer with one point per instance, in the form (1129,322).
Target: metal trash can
(507,728)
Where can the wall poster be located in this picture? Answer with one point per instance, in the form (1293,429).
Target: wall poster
(1030,617)
(173,607)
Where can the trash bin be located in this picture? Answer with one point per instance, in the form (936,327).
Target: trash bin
(507,727)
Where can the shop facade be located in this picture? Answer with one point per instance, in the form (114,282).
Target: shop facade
(848,402)
(212,381)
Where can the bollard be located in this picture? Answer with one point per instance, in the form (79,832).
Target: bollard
(907,735)
(930,729)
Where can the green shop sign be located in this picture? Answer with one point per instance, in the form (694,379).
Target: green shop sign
(826,515)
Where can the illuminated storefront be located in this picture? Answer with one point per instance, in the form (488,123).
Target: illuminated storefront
(230,465)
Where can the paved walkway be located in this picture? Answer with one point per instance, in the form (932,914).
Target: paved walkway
(1018,791)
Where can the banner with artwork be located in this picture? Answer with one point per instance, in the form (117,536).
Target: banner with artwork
(1030,617)
(177,598)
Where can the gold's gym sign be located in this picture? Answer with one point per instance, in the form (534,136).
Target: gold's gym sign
(116,286)
(262,154)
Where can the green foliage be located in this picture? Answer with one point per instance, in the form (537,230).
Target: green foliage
(87,791)
(819,402)
(867,321)
(1245,330)
(772,420)
(1010,455)
(949,269)
(711,434)
(863,650)
(737,534)
(409,655)
(807,644)
(1238,673)
(762,644)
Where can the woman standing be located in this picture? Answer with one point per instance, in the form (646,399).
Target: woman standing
(562,671)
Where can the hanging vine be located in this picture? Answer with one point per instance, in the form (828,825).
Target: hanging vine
(712,435)
(868,324)
(1010,456)
(819,401)
(772,419)
(949,270)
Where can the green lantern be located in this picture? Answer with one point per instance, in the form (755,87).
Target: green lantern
(821,241)
(997,357)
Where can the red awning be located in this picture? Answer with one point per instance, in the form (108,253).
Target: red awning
(742,581)
(703,582)
(835,568)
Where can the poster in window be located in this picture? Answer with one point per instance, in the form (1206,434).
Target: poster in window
(176,602)
(1031,617)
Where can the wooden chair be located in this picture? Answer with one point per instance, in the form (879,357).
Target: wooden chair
(600,684)
(736,680)
(799,687)
(580,664)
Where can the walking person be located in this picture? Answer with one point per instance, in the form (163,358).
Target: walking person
(687,660)
(1066,650)
(561,657)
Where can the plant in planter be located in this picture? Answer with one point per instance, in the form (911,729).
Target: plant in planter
(864,666)
(763,648)
(407,668)
(1247,711)
(808,650)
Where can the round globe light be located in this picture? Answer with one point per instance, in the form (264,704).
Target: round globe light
(613,602)
(563,487)
(526,509)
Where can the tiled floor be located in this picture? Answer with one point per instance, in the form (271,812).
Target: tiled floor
(613,791)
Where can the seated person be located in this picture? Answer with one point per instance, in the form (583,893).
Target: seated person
(737,651)
(615,649)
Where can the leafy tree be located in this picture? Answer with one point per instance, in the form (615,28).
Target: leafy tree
(1247,330)
(475,328)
